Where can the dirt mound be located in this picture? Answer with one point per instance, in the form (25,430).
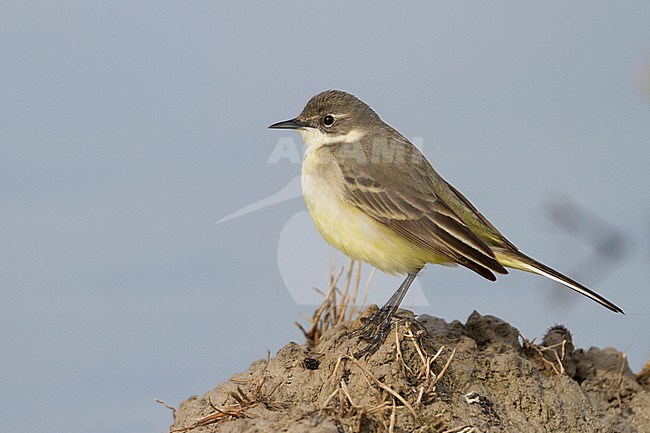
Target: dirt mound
(429,376)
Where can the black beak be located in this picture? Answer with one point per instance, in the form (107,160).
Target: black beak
(289,124)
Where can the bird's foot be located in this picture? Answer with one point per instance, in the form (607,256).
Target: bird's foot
(375,329)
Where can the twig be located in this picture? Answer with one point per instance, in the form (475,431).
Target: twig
(391,425)
(541,349)
(172,408)
(328,399)
(383,385)
(365,290)
(444,369)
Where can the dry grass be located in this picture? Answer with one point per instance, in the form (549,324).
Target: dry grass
(383,414)
(243,401)
(421,373)
(364,403)
(556,351)
(339,304)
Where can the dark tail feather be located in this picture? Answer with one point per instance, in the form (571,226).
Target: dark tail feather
(518,260)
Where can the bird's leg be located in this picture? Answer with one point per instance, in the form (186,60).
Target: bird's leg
(376,328)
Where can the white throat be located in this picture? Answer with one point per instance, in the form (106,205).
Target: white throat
(315,138)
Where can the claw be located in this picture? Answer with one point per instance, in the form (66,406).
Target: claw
(374,330)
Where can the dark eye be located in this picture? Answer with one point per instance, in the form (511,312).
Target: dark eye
(328,120)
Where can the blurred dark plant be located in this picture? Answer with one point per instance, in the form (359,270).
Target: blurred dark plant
(606,242)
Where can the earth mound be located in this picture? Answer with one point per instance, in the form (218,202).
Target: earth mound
(428,376)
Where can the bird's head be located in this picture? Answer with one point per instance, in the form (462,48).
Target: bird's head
(332,117)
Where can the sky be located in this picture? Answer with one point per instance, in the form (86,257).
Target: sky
(153,238)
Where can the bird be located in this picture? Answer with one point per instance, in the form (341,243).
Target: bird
(375,197)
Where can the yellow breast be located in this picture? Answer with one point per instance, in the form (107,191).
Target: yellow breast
(347,228)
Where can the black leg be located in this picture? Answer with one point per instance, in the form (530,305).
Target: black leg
(377,327)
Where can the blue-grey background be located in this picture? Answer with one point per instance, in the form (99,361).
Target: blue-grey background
(127,129)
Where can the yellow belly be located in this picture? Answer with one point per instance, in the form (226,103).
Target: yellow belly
(351,231)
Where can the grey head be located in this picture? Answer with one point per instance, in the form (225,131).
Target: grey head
(333,115)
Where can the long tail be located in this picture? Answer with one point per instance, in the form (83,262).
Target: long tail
(518,260)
